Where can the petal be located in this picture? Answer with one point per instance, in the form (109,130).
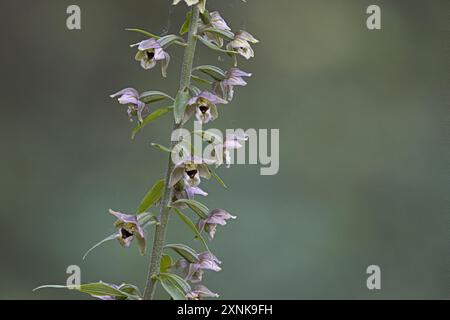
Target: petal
(211,97)
(148,44)
(148,64)
(165,64)
(159,54)
(127,99)
(235,72)
(218,22)
(127,91)
(244,35)
(126,218)
(176,176)
(204,171)
(232,144)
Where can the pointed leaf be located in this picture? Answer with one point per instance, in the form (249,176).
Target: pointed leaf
(148,34)
(147,219)
(186,24)
(150,118)
(180,281)
(172,287)
(180,105)
(154,96)
(219,180)
(184,251)
(166,263)
(223,33)
(215,72)
(151,197)
(166,41)
(213,46)
(200,209)
(161,148)
(107,239)
(200,80)
(100,289)
(191,226)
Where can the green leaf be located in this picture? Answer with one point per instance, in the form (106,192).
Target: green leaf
(213,46)
(173,286)
(219,180)
(200,80)
(184,251)
(151,197)
(214,72)
(191,226)
(166,263)
(107,239)
(147,218)
(148,34)
(223,33)
(180,104)
(154,96)
(166,41)
(161,147)
(187,23)
(95,289)
(200,209)
(150,118)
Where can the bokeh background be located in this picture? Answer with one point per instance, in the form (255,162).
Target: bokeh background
(363,175)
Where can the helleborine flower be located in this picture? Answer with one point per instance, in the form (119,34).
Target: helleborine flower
(130,97)
(221,152)
(200,292)
(241,44)
(190,171)
(204,107)
(149,53)
(233,77)
(217,22)
(201,3)
(215,218)
(129,229)
(193,272)
(186,192)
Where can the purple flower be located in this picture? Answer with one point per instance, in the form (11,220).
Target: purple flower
(130,97)
(129,228)
(149,53)
(204,107)
(233,77)
(200,292)
(185,192)
(193,272)
(241,44)
(217,22)
(215,218)
(190,171)
(221,152)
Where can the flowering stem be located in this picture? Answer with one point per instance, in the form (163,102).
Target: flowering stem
(161,228)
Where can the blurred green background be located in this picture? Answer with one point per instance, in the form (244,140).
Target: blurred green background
(363,172)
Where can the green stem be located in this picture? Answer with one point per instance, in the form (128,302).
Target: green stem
(161,229)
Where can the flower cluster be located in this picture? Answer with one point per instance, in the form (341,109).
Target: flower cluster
(184,179)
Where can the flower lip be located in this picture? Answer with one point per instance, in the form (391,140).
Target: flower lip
(192,173)
(125,234)
(204,109)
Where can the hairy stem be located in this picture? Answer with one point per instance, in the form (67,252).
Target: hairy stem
(161,229)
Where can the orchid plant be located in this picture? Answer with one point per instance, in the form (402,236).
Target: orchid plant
(177,267)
